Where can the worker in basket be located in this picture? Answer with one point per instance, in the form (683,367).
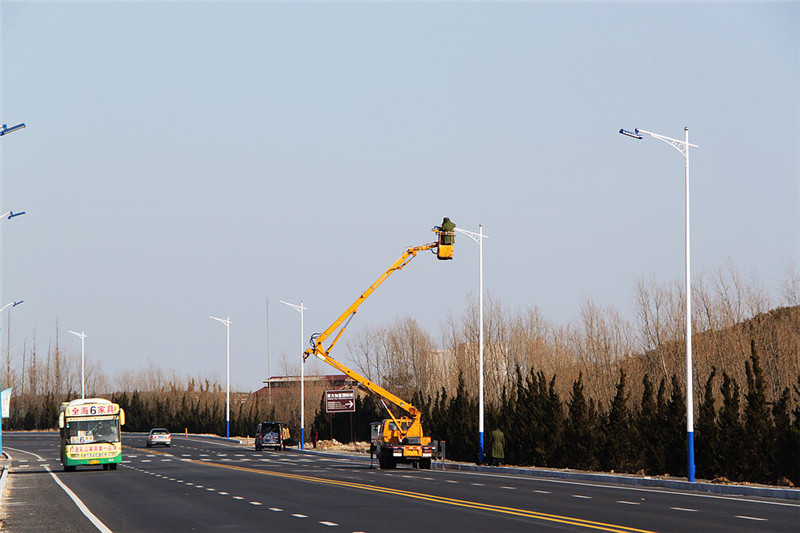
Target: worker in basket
(447,235)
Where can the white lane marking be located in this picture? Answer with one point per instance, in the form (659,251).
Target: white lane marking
(542,492)
(509,488)
(223,493)
(478,484)
(582,496)
(628,503)
(238,498)
(450,481)
(276,509)
(211,490)
(329,524)
(751,518)
(638,489)
(255,503)
(299,516)
(683,509)
(85,510)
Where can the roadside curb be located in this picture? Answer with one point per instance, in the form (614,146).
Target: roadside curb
(641,481)
(4,457)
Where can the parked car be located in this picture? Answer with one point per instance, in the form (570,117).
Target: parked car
(268,435)
(159,436)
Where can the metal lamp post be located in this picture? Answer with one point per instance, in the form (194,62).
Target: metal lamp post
(82,335)
(683,148)
(10,304)
(300,309)
(227,322)
(478,237)
(4,130)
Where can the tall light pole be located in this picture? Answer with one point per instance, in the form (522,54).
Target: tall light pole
(300,309)
(4,130)
(478,237)
(683,148)
(9,304)
(82,335)
(227,322)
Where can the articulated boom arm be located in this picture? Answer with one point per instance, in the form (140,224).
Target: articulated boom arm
(341,323)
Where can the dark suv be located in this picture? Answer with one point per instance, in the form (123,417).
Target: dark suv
(268,435)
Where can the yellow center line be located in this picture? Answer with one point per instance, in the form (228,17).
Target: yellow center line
(589,524)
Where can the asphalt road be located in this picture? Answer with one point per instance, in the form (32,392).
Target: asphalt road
(206,485)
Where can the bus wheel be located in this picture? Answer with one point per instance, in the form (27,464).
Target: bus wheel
(105,467)
(113,466)
(69,468)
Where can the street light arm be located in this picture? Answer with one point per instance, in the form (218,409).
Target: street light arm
(680,146)
(472,235)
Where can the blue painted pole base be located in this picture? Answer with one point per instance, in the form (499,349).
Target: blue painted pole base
(690,442)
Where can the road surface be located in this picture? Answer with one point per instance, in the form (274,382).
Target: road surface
(211,485)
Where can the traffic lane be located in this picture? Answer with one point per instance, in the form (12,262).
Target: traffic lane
(653,508)
(656,509)
(29,488)
(361,508)
(649,508)
(42,443)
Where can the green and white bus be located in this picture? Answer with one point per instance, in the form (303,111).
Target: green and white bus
(90,433)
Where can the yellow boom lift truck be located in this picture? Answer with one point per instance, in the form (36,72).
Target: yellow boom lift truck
(398,439)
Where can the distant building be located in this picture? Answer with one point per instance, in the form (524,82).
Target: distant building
(284,384)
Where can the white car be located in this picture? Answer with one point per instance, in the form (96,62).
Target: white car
(159,436)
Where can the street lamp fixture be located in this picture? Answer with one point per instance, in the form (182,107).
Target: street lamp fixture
(5,129)
(10,214)
(300,309)
(683,148)
(478,238)
(227,322)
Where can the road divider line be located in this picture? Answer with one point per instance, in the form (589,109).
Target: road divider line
(85,510)
(589,524)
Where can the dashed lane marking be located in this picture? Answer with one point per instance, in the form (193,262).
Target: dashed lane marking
(683,509)
(751,518)
(628,503)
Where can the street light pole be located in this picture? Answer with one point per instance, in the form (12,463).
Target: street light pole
(10,304)
(300,309)
(82,335)
(683,148)
(478,237)
(227,322)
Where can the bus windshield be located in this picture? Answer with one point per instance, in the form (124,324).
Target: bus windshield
(86,431)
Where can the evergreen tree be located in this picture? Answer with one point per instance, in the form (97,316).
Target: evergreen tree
(707,434)
(580,440)
(758,442)
(650,431)
(617,453)
(675,438)
(731,430)
(786,460)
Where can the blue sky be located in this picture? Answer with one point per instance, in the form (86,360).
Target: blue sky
(189,159)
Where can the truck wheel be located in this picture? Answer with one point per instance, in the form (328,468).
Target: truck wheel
(425,464)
